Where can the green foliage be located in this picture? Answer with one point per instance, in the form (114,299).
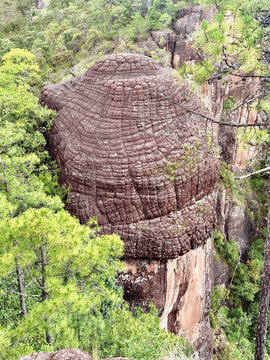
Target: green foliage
(137,336)
(19,68)
(72,271)
(229,103)
(264,104)
(243,286)
(67,270)
(94,317)
(257,183)
(161,13)
(9,301)
(138,27)
(247,280)
(254,136)
(229,43)
(237,190)
(23,123)
(234,311)
(227,177)
(232,323)
(228,250)
(69,32)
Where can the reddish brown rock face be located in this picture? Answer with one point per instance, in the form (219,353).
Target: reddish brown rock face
(134,157)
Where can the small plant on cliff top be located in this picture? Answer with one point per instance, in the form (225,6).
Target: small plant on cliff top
(189,160)
(235,190)
(227,177)
(228,250)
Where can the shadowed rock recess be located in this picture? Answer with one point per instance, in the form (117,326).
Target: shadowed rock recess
(134,157)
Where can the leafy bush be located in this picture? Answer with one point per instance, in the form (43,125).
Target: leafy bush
(228,250)
(234,311)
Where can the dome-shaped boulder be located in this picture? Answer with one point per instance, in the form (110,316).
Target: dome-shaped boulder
(134,156)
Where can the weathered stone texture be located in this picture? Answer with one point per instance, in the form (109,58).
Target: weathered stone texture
(144,281)
(133,156)
(65,354)
(180,289)
(164,39)
(43,355)
(188,298)
(189,20)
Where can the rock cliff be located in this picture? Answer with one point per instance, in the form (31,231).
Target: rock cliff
(136,158)
(139,160)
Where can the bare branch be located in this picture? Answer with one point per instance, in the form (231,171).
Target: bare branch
(36,282)
(245,101)
(213,120)
(23,294)
(253,173)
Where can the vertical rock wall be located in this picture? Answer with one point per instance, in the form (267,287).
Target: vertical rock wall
(180,288)
(188,297)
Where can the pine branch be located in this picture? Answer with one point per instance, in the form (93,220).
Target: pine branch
(23,294)
(36,282)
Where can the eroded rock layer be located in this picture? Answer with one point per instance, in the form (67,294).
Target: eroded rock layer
(134,156)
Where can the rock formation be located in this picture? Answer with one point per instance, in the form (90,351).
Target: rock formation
(66,354)
(139,161)
(133,157)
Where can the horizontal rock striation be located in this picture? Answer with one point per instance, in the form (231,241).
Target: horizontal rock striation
(134,156)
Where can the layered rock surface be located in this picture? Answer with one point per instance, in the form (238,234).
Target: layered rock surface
(134,157)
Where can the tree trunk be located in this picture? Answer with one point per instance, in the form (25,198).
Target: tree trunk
(21,290)
(264,299)
(44,293)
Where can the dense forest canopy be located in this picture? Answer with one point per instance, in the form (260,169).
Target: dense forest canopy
(51,298)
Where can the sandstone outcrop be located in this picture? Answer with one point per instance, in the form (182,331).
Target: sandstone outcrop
(139,160)
(188,21)
(43,355)
(134,157)
(65,354)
